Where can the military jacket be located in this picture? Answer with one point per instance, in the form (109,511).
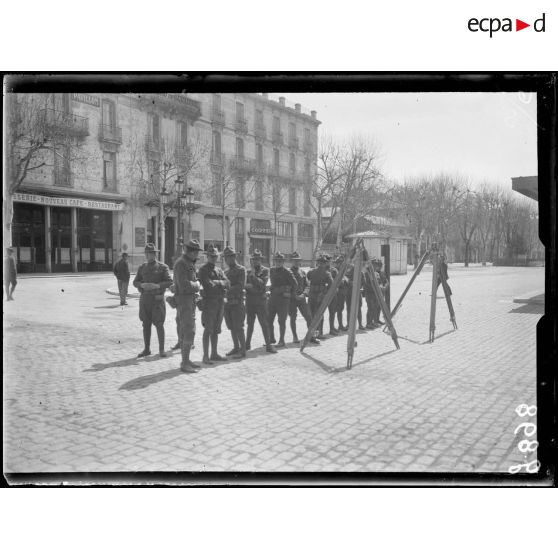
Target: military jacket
(237,281)
(185,278)
(301,280)
(320,280)
(153,272)
(257,278)
(282,280)
(210,272)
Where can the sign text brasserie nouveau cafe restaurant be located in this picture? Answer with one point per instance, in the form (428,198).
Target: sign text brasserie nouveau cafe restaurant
(57,234)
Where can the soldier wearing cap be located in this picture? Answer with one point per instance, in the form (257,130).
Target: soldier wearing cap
(332,306)
(152,280)
(235,310)
(186,287)
(214,284)
(256,300)
(282,285)
(298,298)
(349,275)
(320,280)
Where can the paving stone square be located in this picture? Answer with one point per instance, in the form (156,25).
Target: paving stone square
(77,399)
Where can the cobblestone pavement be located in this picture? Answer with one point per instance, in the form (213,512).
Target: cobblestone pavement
(77,399)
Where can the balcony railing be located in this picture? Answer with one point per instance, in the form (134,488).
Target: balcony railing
(241,125)
(173,102)
(277,137)
(65,123)
(152,144)
(241,164)
(218,117)
(293,143)
(109,184)
(217,159)
(63,177)
(182,155)
(260,131)
(111,134)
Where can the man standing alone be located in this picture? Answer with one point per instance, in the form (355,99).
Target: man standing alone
(10,273)
(152,280)
(122,273)
(186,286)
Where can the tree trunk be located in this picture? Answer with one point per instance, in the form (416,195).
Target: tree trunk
(8,218)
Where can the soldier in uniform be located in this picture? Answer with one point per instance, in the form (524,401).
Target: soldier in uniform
(186,287)
(341,295)
(349,293)
(152,280)
(256,300)
(371,302)
(332,307)
(384,286)
(298,298)
(214,284)
(320,280)
(235,310)
(282,285)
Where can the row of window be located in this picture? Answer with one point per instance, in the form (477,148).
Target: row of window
(240,118)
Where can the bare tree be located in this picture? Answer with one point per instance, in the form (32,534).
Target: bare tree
(37,135)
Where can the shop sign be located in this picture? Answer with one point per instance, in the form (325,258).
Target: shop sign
(261,226)
(85,98)
(68,202)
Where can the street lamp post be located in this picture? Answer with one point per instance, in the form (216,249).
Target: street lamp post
(190,206)
(163,197)
(180,195)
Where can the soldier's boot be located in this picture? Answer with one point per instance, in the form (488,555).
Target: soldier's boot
(340,321)
(249,332)
(293,330)
(234,350)
(214,354)
(205,344)
(146,341)
(161,337)
(241,353)
(185,365)
(332,330)
(176,347)
(282,329)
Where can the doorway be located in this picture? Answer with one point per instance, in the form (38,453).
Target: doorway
(29,239)
(263,245)
(60,239)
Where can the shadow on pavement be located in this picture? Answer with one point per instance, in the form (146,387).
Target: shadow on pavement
(333,370)
(528,309)
(438,336)
(134,361)
(145,381)
(104,307)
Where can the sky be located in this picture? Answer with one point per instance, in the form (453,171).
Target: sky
(483,136)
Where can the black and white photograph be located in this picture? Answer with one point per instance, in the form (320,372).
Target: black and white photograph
(305,280)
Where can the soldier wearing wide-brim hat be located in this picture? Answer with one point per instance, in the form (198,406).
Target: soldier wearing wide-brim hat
(256,300)
(235,309)
(383,282)
(186,287)
(320,280)
(214,284)
(283,284)
(298,298)
(152,280)
(332,306)
(341,295)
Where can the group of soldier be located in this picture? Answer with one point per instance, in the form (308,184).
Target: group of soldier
(240,295)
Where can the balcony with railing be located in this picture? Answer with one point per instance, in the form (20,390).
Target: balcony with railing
(153,144)
(241,125)
(293,143)
(260,131)
(217,159)
(65,123)
(277,137)
(174,103)
(243,165)
(63,177)
(110,134)
(218,116)
(109,184)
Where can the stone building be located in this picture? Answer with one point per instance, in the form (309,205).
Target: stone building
(126,163)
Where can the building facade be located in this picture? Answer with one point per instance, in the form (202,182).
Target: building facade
(120,165)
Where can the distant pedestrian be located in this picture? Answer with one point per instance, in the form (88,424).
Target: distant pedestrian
(10,273)
(122,273)
(152,280)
